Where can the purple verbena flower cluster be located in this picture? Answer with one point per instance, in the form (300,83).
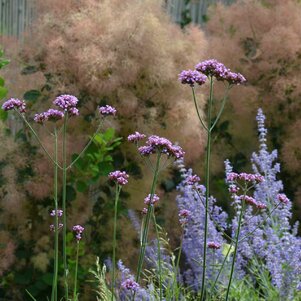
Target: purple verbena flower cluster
(107,110)
(151,199)
(14,103)
(214,245)
(184,215)
(58,213)
(155,144)
(211,68)
(214,68)
(120,177)
(66,102)
(78,229)
(192,77)
(136,137)
(54,213)
(51,115)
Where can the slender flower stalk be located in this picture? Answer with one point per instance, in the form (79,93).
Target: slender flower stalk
(76,271)
(64,207)
(207,175)
(117,193)
(56,233)
(159,254)
(242,209)
(147,221)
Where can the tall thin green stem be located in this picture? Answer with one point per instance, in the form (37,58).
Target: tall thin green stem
(208,152)
(235,250)
(159,255)
(177,271)
(64,207)
(56,227)
(147,222)
(117,192)
(76,271)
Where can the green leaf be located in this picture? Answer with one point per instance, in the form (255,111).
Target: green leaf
(81,186)
(2,81)
(3,92)
(109,134)
(3,115)
(32,95)
(105,168)
(3,63)
(47,278)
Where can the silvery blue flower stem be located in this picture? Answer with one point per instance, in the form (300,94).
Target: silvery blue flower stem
(147,222)
(64,207)
(76,270)
(56,231)
(235,249)
(207,175)
(159,254)
(117,193)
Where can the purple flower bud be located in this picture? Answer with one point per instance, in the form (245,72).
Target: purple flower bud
(214,245)
(52,227)
(14,103)
(107,110)
(66,102)
(248,199)
(136,137)
(282,198)
(146,150)
(120,177)
(59,213)
(151,199)
(261,205)
(233,188)
(40,118)
(184,215)
(130,284)
(73,112)
(190,77)
(144,211)
(78,231)
(54,115)
(191,180)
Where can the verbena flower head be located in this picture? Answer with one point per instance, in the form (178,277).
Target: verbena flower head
(58,212)
(184,215)
(151,199)
(233,176)
(136,137)
(282,198)
(51,115)
(130,284)
(78,229)
(162,145)
(248,199)
(192,77)
(107,110)
(144,211)
(66,102)
(52,227)
(120,177)
(73,112)
(214,245)
(14,103)
(214,68)
(40,118)
(192,180)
